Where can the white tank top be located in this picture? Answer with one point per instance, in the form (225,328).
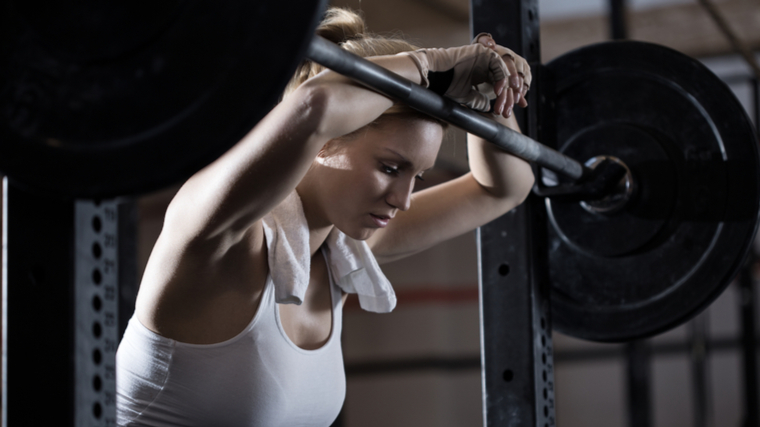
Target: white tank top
(258,378)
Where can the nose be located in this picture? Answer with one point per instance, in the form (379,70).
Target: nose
(400,194)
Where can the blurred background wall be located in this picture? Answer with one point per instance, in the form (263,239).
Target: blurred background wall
(418,366)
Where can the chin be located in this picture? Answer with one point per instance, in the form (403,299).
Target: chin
(359,234)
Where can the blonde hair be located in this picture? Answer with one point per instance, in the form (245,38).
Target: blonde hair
(347,29)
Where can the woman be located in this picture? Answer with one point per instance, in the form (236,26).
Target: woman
(298,212)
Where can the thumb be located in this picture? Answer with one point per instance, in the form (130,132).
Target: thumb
(476,101)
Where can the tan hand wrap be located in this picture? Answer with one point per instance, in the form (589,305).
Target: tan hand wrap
(472,64)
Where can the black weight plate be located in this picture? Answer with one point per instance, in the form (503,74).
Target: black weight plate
(100,99)
(693,155)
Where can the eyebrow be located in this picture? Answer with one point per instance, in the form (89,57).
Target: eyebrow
(404,161)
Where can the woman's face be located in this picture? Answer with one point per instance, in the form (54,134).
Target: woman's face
(366,180)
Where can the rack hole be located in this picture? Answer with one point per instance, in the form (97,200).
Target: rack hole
(97,224)
(504,269)
(97,303)
(97,410)
(97,251)
(97,356)
(97,383)
(97,330)
(508,375)
(97,276)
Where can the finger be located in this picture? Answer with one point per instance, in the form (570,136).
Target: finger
(525,80)
(487,41)
(523,89)
(499,86)
(501,100)
(524,97)
(509,62)
(527,75)
(521,94)
(523,100)
(514,81)
(497,69)
(510,102)
(479,36)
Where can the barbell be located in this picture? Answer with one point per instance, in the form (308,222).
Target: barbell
(651,189)
(677,201)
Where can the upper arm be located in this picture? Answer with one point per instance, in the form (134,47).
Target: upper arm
(255,175)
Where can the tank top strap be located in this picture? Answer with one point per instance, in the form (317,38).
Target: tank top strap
(337,299)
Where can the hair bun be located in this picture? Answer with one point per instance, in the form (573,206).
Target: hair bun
(340,25)
(346,28)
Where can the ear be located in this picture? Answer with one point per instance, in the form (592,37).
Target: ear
(329,148)
(325,150)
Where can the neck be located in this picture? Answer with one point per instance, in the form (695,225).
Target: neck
(319,227)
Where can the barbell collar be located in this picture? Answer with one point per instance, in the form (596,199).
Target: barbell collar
(391,84)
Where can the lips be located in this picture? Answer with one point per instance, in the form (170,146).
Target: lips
(381,220)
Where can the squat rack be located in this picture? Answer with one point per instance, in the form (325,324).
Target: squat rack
(517,362)
(515,321)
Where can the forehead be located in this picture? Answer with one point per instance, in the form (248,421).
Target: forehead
(416,140)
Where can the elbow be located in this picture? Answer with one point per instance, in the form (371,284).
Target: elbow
(525,185)
(312,104)
(513,189)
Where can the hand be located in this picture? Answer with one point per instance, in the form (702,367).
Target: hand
(469,66)
(519,80)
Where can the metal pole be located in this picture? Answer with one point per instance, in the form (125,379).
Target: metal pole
(749,353)
(699,353)
(639,396)
(618,25)
(388,83)
(517,357)
(756,97)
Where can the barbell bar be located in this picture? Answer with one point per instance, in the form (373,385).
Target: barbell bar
(425,100)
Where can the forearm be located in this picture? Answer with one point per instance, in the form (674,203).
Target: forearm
(352,105)
(506,177)
(497,183)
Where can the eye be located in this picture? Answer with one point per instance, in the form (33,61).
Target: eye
(390,170)
(419,178)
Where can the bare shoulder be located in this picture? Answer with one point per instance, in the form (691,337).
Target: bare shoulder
(203,292)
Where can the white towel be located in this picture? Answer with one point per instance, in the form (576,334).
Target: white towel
(352,263)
